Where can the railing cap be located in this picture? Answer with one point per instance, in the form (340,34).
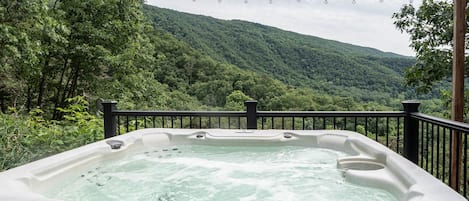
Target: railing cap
(250,102)
(411,102)
(109,102)
(411,105)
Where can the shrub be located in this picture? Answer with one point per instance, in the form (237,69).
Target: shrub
(24,138)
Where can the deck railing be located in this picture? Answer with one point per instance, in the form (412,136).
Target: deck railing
(437,145)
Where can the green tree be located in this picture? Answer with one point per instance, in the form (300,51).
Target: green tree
(431,32)
(235,101)
(106,38)
(55,50)
(21,26)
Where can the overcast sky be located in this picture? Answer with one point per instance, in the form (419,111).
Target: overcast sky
(363,22)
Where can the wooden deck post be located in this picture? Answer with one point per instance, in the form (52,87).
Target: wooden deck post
(457,106)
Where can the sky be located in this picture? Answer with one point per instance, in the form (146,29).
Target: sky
(359,22)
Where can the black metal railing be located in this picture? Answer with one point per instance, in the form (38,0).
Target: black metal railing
(132,120)
(437,145)
(384,127)
(443,150)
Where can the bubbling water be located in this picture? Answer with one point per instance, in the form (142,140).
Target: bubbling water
(203,173)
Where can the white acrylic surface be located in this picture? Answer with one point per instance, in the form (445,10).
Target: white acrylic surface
(368,163)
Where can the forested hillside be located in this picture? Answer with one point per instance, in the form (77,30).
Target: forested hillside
(328,66)
(99,51)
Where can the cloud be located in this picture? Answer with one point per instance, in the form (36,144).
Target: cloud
(365,22)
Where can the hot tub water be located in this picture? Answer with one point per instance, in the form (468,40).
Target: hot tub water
(203,172)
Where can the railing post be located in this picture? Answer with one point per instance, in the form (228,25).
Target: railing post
(109,119)
(251,114)
(411,131)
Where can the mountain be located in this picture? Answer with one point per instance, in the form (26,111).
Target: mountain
(299,60)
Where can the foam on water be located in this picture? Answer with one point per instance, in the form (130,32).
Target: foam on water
(204,173)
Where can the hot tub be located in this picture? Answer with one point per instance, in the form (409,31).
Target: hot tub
(215,164)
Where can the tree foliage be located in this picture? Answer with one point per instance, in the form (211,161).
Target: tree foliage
(27,138)
(56,50)
(431,32)
(304,61)
(430,27)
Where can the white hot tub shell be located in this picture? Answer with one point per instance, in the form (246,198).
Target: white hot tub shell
(369,163)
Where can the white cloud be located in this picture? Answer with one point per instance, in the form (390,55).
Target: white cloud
(365,23)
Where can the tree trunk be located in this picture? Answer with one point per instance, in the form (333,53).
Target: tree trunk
(59,85)
(74,87)
(69,89)
(3,106)
(29,96)
(61,99)
(42,84)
